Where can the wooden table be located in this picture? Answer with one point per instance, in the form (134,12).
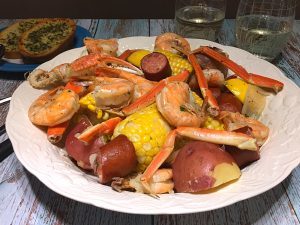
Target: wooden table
(25,200)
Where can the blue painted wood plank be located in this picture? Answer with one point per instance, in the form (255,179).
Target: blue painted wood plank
(25,200)
(122,28)
(265,209)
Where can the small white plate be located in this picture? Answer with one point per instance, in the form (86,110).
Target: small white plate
(51,165)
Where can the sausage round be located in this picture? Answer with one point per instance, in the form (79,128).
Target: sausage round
(115,159)
(155,66)
(79,150)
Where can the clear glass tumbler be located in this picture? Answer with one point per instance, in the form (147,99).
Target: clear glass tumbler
(199,18)
(263,27)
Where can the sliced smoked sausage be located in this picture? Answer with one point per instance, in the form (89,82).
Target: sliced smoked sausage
(115,159)
(155,66)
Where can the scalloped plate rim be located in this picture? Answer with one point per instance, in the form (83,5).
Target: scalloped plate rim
(46,180)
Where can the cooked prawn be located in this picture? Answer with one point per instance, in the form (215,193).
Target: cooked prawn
(101,46)
(54,107)
(234,121)
(112,93)
(171,42)
(142,85)
(214,77)
(176,105)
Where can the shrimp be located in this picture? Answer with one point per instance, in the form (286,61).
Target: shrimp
(214,77)
(142,85)
(234,121)
(171,42)
(176,105)
(112,93)
(54,107)
(101,46)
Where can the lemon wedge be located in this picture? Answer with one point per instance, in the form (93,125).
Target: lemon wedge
(237,87)
(136,57)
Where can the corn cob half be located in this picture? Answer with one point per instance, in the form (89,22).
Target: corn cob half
(147,130)
(177,63)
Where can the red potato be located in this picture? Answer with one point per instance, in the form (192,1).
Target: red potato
(79,150)
(243,158)
(201,165)
(115,159)
(155,66)
(228,102)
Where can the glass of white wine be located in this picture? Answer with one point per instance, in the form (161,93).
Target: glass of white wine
(263,27)
(199,18)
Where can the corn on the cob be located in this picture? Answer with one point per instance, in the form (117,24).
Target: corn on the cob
(210,122)
(177,63)
(88,101)
(147,130)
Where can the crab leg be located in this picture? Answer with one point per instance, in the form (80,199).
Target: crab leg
(105,127)
(150,96)
(240,71)
(113,72)
(214,108)
(121,62)
(266,82)
(239,140)
(55,133)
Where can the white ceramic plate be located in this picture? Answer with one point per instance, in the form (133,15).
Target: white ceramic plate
(51,165)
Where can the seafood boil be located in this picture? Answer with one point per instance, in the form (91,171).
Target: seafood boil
(164,120)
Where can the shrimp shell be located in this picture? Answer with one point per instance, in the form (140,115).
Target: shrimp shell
(54,107)
(171,42)
(175,104)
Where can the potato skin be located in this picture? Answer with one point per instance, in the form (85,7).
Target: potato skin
(115,159)
(243,158)
(194,164)
(228,102)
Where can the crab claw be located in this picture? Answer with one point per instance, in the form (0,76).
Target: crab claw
(105,127)
(257,80)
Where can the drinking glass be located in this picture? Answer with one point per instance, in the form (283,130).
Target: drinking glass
(263,27)
(199,18)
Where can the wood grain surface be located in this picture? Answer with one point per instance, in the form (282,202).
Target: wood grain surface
(25,200)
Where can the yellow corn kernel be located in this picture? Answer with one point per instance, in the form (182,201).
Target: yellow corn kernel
(147,130)
(91,107)
(197,99)
(210,122)
(177,63)
(99,113)
(105,116)
(213,124)
(88,101)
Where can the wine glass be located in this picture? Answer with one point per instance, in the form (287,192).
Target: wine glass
(263,27)
(199,18)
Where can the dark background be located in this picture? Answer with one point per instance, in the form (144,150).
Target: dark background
(99,9)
